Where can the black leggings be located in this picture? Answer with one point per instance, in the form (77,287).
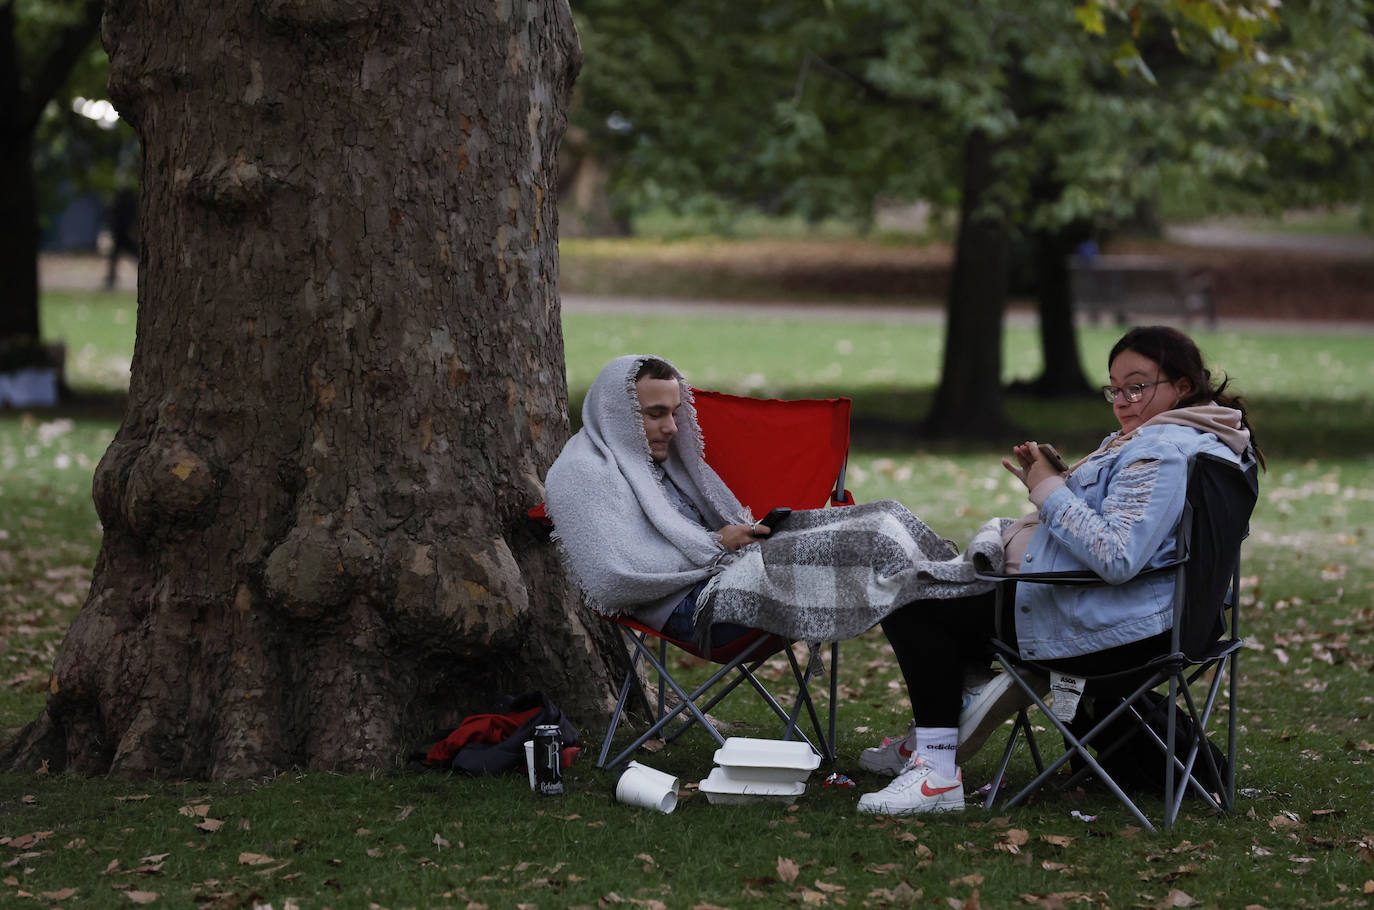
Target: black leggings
(936,640)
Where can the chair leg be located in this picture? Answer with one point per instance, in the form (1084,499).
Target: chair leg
(1022,722)
(686,702)
(1075,746)
(827,746)
(834,694)
(619,706)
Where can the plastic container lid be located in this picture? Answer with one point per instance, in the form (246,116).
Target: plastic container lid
(744,752)
(721,788)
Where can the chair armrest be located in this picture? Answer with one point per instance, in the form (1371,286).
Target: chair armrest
(1072,577)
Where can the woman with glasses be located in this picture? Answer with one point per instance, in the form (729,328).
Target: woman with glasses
(1114,513)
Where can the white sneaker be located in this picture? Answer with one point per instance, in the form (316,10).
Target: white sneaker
(892,757)
(917,789)
(987,703)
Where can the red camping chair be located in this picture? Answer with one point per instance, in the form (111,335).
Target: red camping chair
(770,453)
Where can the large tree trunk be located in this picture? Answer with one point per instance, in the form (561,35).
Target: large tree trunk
(1062,374)
(969,401)
(347,382)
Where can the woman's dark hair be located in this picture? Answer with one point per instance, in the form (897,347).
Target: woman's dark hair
(654,368)
(1178,358)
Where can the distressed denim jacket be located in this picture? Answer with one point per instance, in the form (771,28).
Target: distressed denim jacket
(1116,515)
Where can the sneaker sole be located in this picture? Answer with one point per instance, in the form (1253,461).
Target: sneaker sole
(942,806)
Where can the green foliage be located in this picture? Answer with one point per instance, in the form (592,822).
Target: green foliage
(822,108)
(310,840)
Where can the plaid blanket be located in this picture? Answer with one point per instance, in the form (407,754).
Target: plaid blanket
(832,574)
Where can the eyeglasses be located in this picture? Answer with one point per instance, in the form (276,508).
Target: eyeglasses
(1133,392)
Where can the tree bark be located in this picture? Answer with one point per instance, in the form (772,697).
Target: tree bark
(1062,374)
(347,381)
(969,400)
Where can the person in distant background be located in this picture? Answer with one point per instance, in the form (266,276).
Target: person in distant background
(123,220)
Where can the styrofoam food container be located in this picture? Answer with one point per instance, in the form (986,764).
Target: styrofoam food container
(722,789)
(767,759)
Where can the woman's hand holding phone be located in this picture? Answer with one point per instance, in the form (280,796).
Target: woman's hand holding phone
(1035,463)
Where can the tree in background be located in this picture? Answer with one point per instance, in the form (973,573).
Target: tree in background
(41,42)
(1037,121)
(347,381)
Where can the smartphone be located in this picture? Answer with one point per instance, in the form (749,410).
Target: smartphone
(1051,453)
(775,517)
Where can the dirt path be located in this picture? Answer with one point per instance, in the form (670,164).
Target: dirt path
(1260,280)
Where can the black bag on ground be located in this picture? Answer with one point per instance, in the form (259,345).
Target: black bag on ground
(495,742)
(1137,763)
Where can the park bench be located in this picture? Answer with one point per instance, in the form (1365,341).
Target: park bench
(1134,284)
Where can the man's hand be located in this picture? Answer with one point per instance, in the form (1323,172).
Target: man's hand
(1032,467)
(732,537)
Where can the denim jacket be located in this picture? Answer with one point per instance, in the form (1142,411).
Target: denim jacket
(1116,515)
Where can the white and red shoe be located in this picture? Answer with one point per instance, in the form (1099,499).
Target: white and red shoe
(892,756)
(917,789)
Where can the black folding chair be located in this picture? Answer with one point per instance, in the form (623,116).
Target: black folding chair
(1204,642)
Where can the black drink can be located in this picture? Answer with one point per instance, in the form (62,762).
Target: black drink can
(548,760)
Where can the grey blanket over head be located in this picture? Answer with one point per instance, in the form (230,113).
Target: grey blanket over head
(825,575)
(626,544)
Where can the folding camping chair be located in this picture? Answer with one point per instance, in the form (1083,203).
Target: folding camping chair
(1205,639)
(769,453)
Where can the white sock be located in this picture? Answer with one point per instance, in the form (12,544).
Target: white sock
(936,747)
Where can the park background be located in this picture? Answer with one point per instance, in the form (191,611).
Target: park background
(769,305)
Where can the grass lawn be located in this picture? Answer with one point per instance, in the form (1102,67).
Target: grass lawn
(1303,834)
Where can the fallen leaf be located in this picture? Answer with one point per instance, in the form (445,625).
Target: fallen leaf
(827,887)
(1177,898)
(58,895)
(787,870)
(210,824)
(24,841)
(141,897)
(254,859)
(198,811)
(404,813)
(973,903)
(1057,840)
(439,842)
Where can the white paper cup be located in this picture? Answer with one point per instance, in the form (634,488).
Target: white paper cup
(529,760)
(640,785)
